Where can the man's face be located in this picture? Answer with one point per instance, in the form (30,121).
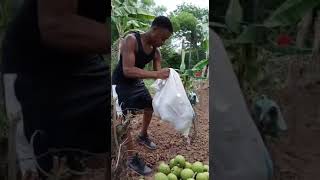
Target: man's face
(159,36)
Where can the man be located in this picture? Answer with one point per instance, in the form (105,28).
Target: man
(53,50)
(136,51)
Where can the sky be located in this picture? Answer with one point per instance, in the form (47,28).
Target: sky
(172,4)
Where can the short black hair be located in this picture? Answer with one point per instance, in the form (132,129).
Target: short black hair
(163,22)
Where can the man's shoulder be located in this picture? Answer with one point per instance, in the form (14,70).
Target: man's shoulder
(130,37)
(130,40)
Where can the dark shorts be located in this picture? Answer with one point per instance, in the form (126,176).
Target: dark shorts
(133,96)
(72,111)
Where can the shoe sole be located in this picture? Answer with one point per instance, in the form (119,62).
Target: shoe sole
(147,146)
(138,172)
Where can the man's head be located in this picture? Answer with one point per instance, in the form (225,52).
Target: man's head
(161,30)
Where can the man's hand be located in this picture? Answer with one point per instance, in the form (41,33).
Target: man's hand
(163,73)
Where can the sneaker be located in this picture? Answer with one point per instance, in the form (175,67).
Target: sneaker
(145,140)
(138,165)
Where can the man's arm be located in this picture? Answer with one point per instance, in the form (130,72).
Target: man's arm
(61,28)
(157,60)
(128,61)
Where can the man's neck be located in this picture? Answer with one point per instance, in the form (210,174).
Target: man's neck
(146,38)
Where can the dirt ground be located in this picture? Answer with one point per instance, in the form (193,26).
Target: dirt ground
(170,142)
(297,154)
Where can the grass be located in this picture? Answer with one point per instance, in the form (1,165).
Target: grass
(148,83)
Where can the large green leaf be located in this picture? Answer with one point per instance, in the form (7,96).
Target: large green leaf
(216,24)
(133,24)
(130,9)
(290,12)
(132,30)
(252,34)
(117,12)
(200,65)
(131,2)
(205,44)
(116,2)
(114,19)
(234,16)
(142,15)
(142,24)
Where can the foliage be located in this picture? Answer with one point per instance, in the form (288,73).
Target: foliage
(146,4)
(200,13)
(160,10)
(190,24)
(126,17)
(243,43)
(234,16)
(187,75)
(185,22)
(290,12)
(4,14)
(170,58)
(251,44)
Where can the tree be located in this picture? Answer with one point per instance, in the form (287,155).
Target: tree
(200,13)
(187,25)
(194,30)
(160,10)
(145,4)
(170,57)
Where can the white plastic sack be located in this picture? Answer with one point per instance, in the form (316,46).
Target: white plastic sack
(115,97)
(171,103)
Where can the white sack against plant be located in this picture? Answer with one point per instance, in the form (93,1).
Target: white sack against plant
(171,103)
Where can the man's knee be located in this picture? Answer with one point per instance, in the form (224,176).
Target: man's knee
(148,110)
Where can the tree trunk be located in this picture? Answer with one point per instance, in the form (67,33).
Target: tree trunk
(303,29)
(197,51)
(190,57)
(316,44)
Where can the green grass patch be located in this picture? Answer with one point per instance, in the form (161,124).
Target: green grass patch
(148,83)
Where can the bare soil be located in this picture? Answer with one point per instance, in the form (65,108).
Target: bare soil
(170,143)
(297,154)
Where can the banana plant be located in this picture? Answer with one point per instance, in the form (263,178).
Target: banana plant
(187,75)
(127,16)
(290,12)
(247,38)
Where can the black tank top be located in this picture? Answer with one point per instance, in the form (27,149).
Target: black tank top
(141,59)
(22,48)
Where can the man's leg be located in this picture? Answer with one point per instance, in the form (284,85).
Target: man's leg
(147,115)
(143,137)
(135,162)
